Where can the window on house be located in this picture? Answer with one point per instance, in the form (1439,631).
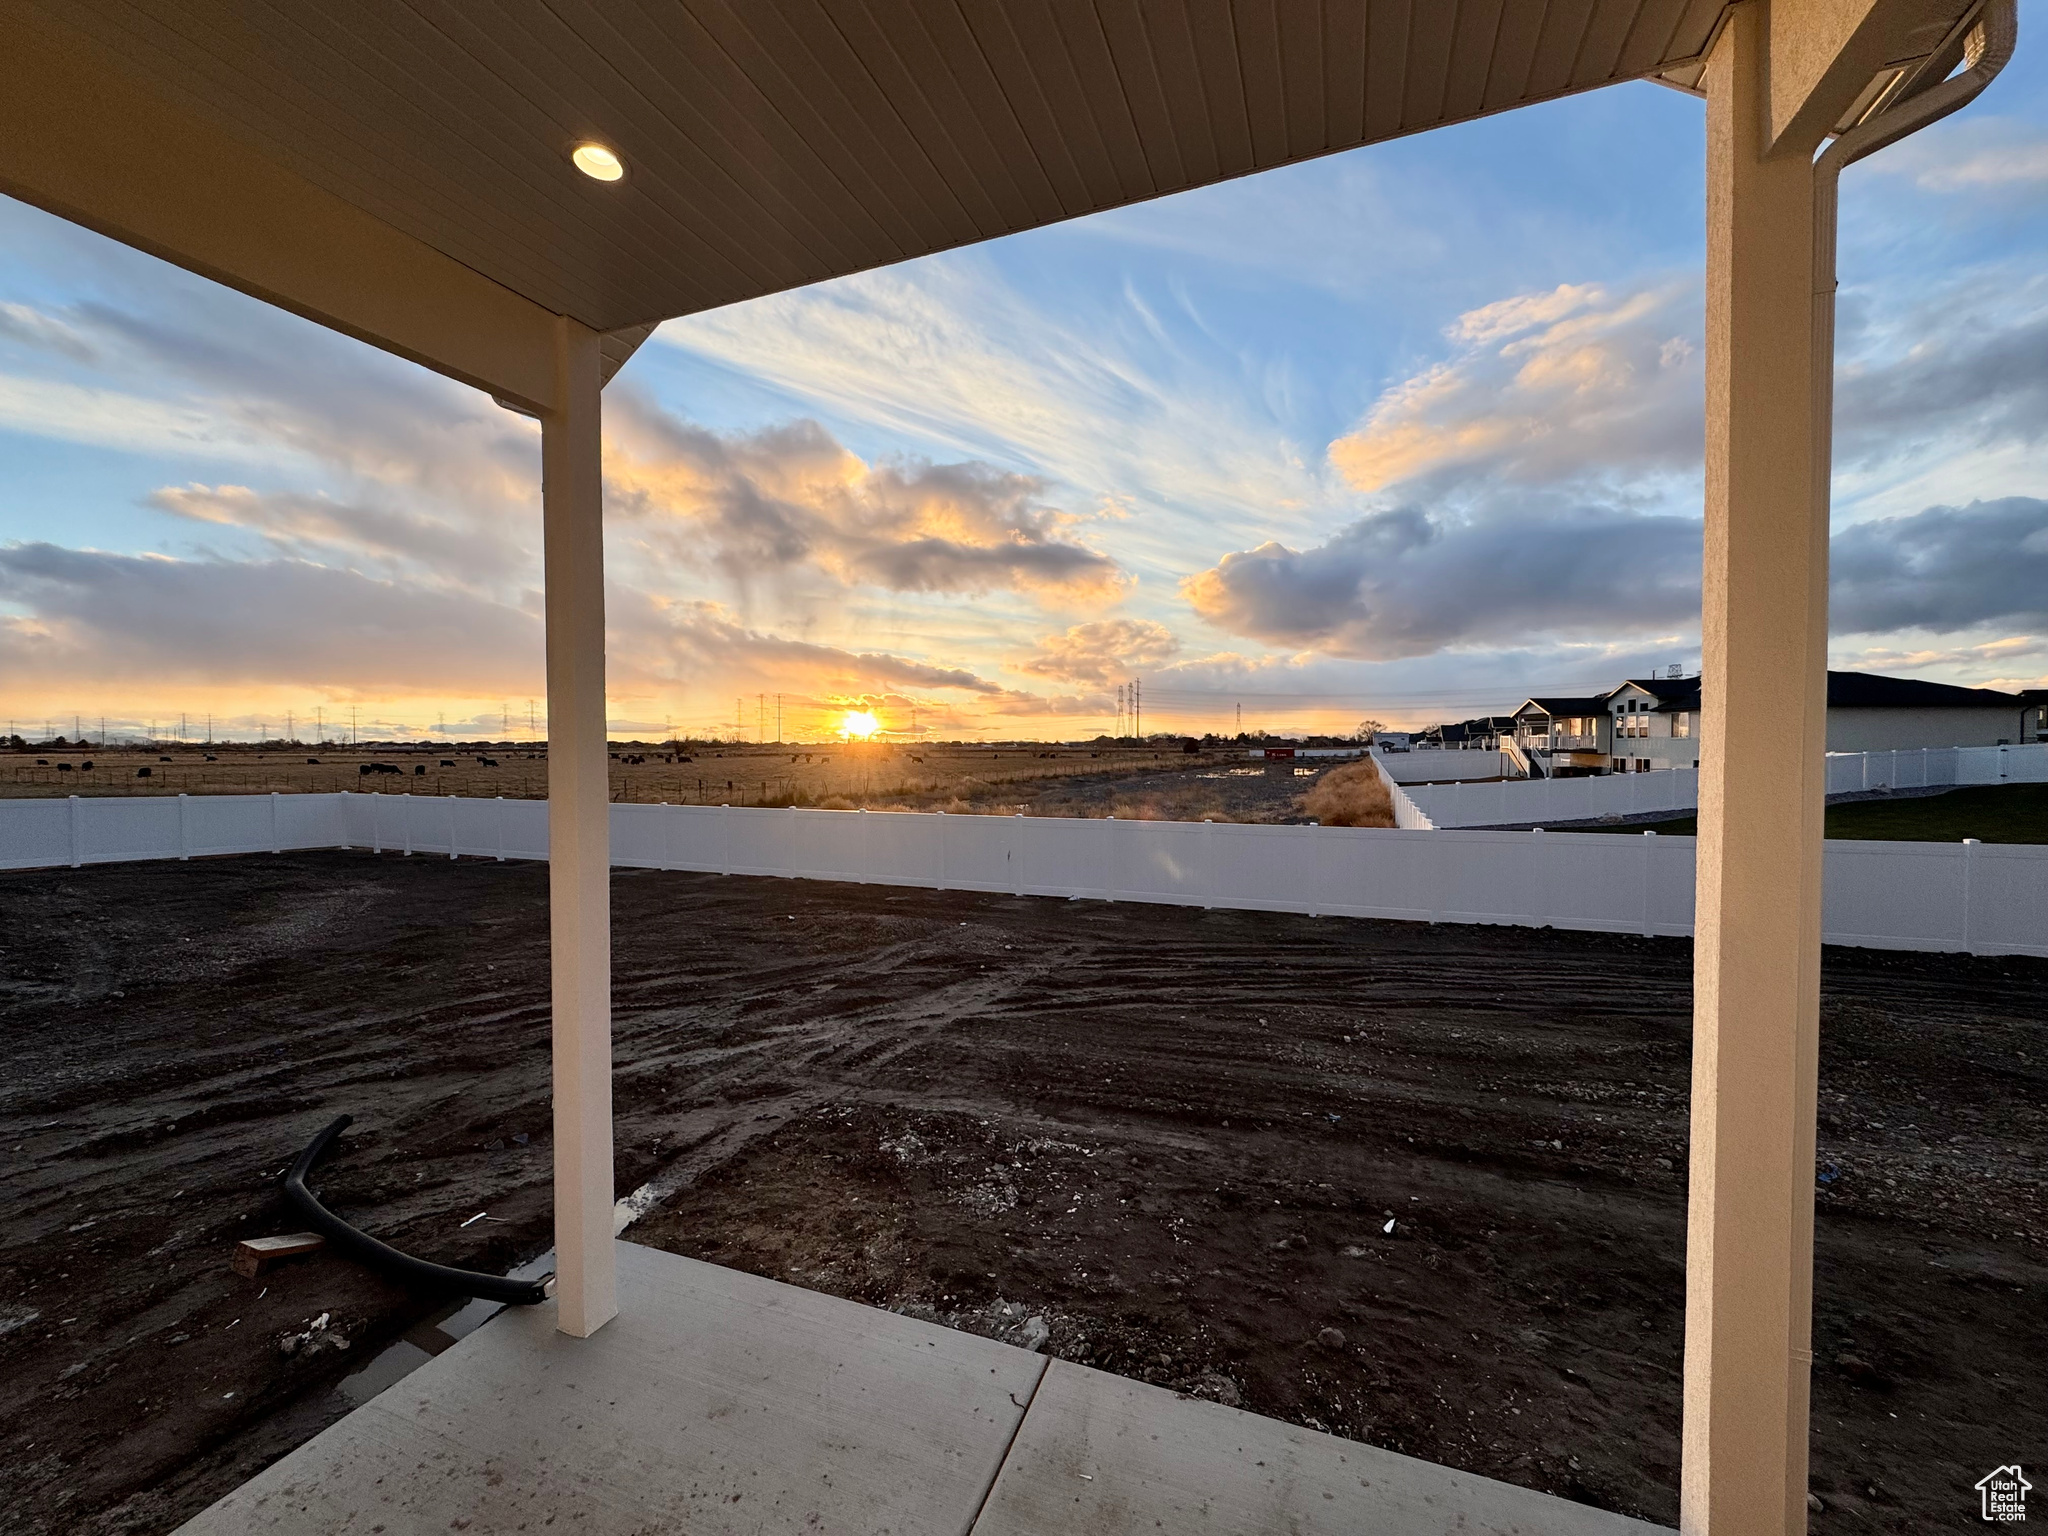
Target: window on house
(1681,724)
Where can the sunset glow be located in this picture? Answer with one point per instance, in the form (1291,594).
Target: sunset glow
(859,725)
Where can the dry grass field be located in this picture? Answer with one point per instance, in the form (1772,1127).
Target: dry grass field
(1129,780)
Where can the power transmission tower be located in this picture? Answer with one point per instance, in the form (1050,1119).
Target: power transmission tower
(760,717)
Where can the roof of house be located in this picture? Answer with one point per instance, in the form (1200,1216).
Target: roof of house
(1866,690)
(1591,704)
(1671,693)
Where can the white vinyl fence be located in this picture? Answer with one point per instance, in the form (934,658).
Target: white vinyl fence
(1930,896)
(1511,802)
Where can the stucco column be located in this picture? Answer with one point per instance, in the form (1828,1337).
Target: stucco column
(579,838)
(1756,1005)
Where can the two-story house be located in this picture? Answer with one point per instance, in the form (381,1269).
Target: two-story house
(1654,722)
(1644,723)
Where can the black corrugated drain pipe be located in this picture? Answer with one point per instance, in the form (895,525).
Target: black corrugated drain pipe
(382,1256)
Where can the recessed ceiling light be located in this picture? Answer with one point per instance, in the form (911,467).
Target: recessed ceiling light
(597,162)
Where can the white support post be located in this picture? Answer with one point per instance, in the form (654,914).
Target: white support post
(1756,966)
(579,840)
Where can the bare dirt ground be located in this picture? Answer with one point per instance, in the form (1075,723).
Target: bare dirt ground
(1170,1141)
(1042,778)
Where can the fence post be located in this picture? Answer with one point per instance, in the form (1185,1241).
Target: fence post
(501,829)
(184,837)
(1649,856)
(276,843)
(452,808)
(376,821)
(76,857)
(1970,847)
(1017,854)
(725,839)
(942,850)
(405,815)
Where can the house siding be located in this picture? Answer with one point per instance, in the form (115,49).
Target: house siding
(1888,730)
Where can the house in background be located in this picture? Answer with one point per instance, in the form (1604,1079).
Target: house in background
(1867,713)
(1482,734)
(2034,715)
(1654,722)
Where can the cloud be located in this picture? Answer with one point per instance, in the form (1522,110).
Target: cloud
(98,617)
(754,505)
(656,641)
(1944,569)
(1945,377)
(1094,390)
(29,326)
(1406,583)
(1101,653)
(1971,154)
(1576,383)
(311,526)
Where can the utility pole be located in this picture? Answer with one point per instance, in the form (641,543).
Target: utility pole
(760,717)
(1138,706)
(531,733)
(353,737)
(320,724)
(739,719)
(209,727)
(290,724)
(778,719)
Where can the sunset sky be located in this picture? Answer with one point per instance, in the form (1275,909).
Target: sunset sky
(1407,433)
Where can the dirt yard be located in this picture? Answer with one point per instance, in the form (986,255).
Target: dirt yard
(1170,1142)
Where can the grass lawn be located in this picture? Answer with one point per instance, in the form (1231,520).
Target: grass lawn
(1999,813)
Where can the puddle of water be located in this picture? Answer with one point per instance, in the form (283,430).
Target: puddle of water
(428,1338)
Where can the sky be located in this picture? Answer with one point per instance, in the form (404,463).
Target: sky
(1406,434)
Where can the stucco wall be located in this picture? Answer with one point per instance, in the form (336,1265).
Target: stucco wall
(1887,730)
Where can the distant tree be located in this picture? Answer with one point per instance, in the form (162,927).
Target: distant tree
(1367,730)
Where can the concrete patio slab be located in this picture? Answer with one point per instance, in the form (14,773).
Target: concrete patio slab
(720,1403)
(716,1402)
(1100,1454)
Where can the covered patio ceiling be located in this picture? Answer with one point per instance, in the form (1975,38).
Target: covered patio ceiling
(769,146)
(772,145)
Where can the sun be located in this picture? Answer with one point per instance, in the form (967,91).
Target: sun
(858,725)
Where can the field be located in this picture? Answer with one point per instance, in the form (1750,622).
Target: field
(2000,813)
(1176,1137)
(1036,779)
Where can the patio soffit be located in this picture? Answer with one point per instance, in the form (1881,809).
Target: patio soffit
(774,143)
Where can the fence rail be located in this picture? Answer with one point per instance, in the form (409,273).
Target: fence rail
(1927,896)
